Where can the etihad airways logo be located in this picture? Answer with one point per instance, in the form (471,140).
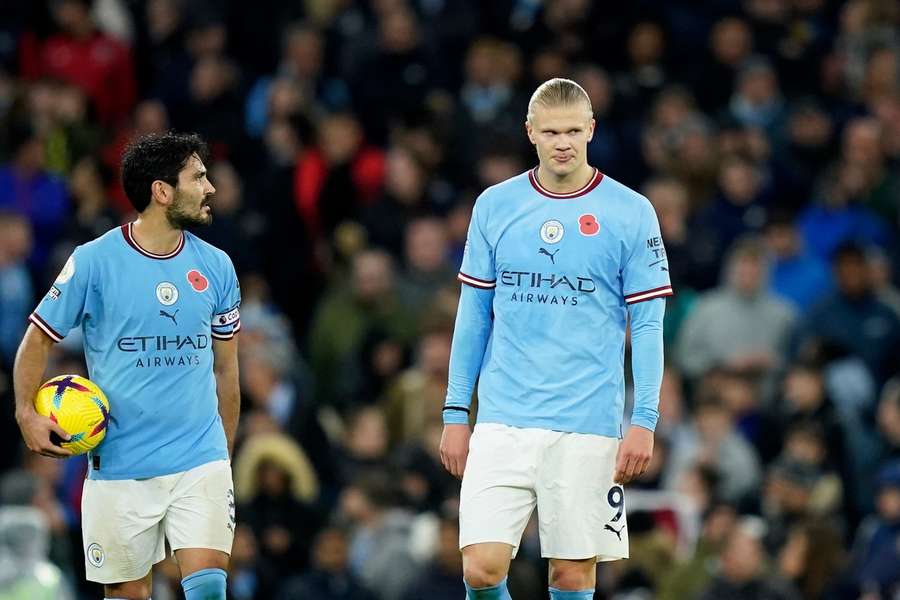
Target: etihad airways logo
(165,350)
(551,281)
(162,343)
(546,288)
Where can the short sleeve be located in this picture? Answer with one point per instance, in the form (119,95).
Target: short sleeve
(62,308)
(226,321)
(645,274)
(477,268)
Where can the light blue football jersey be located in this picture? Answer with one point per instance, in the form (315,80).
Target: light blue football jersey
(149,322)
(563,268)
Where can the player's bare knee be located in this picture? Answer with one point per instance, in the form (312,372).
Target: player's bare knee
(131,590)
(573,575)
(483,570)
(479,575)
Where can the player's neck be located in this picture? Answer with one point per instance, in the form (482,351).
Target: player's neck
(571,182)
(155,235)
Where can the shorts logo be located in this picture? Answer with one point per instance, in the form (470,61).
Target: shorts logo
(197,280)
(67,271)
(552,231)
(166,293)
(96,555)
(588,225)
(231,512)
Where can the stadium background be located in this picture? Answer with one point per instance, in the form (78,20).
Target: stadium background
(349,140)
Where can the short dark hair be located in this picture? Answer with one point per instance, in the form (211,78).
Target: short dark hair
(157,156)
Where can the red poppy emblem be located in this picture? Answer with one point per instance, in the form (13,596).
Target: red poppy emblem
(197,280)
(588,225)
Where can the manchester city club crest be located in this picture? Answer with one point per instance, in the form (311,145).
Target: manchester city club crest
(166,293)
(552,231)
(96,555)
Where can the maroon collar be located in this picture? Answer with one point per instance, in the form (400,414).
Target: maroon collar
(594,182)
(129,237)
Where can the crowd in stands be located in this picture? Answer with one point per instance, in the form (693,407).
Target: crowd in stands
(349,141)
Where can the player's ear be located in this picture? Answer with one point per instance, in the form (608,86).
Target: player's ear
(529,131)
(591,129)
(161,191)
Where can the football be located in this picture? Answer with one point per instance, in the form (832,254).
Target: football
(79,406)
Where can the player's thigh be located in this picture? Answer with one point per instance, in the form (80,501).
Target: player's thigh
(201,511)
(497,495)
(122,531)
(581,509)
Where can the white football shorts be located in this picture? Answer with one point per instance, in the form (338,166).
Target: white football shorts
(568,477)
(125,523)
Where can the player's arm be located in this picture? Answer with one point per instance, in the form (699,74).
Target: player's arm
(474,319)
(225,367)
(28,373)
(636,449)
(470,337)
(645,285)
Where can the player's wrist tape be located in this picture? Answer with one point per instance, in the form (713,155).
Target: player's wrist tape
(456,415)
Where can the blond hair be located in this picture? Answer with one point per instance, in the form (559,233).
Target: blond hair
(558,92)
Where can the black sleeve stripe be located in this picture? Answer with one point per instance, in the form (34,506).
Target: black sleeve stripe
(460,408)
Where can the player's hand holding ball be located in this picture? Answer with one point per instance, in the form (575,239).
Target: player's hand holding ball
(36,431)
(455,448)
(634,455)
(70,417)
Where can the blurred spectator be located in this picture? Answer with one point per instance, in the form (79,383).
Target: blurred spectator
(688,578)
(854,318)
(811,558)
(249,575)
(379,548)
(804,400)
(426,268)
(415,400)
(692,261)
(25,571)
(838,216)
(329,578)
(26,188)
(645,74)
(346,317)
(880,272)
(92,214)
(876,550)
(795,275)
(712,441)
(730,45)
(862,148)
(301,73)
(442,579)
(405,198)
(275,486)
(742,574)
(393,81)
(335,179)
(97,63)
(234,228)
(805,153)
(888,418)
(740,208)
(16,292)
(739,325)
(757,100)
(365,446)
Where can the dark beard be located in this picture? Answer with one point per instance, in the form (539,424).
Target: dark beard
(179,219)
